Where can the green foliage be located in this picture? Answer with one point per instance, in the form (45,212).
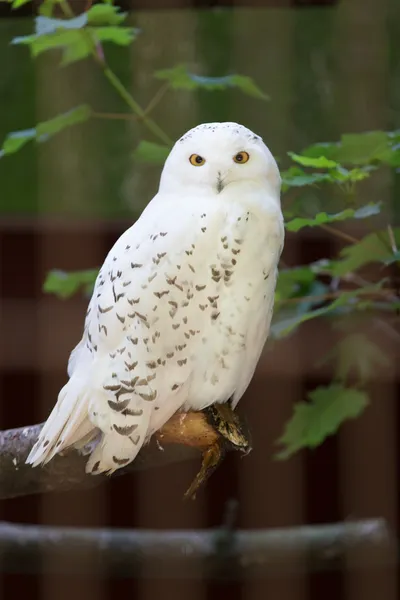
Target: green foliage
(326,409)
(296,177)
(181,79)
(320,162)
(77,36)
(334,173)
(286,322)
(45,130)
(323,218)
(360,149)
(373,247)
(105,14)
(393,258)
(332,290)
(19,3)
(64,285)
(148,152)
(357,355)
(294,282)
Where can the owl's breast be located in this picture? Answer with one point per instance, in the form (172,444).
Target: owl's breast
(244,274)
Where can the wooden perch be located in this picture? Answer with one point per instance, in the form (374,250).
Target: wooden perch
(182,438)
(213,554)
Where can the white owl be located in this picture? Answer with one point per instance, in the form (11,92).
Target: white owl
(182,305)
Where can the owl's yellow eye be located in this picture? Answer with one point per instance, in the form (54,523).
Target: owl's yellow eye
(241,158)
(196,160)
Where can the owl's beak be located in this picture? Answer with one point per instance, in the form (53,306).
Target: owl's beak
(220,183)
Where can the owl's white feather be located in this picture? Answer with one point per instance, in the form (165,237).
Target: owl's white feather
(182,305)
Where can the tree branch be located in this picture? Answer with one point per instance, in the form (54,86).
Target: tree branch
(212,554)
(180,439)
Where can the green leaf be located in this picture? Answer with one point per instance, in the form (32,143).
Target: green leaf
(105,14)
(122,36)
(64,284)
(286,321)
(78,48)
(343,175)
(369,210)
(148,152)
(80,114)
(357,149)
(296,177)
(75,45)
(317,163)
(246,85)
(357,353)
(43,131)
(45,25)
(19,3)
(16,140)
(292,281)
(326,149)
(67,34)
(322,218)
(374,247)
(47,6)
(364,148)
(16,3)
(180,79)
(393,258)
(327,408)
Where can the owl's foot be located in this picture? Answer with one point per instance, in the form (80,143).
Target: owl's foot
(233,435)
(232,430)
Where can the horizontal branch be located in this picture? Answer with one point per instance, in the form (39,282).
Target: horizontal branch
(180,439)
(213,554)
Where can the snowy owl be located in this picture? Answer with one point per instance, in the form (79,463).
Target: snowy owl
(182,305)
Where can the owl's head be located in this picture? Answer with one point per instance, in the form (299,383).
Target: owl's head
(214,156)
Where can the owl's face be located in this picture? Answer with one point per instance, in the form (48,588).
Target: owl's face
(216,156)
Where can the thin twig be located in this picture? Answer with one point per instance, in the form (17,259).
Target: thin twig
(116,82)
(119,116)
(392,239)
(334,295)
(158,96)
(136,108)
(339,233)
(386,328)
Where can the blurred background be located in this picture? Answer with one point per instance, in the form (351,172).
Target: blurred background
(328,68)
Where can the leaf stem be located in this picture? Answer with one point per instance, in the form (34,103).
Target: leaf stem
(116,82)
(392,239)
(121,116)
(334,295)
(136,108)
(67,10)
(158,96)
(339,233)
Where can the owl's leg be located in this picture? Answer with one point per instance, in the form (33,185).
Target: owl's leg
(212,457)
(233,435)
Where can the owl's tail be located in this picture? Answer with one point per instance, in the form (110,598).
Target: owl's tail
(67,424)
(122,434)
(122,438)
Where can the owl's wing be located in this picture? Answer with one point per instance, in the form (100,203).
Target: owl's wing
(143,326)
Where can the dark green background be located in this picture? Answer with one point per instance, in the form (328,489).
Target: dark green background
(326,70)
